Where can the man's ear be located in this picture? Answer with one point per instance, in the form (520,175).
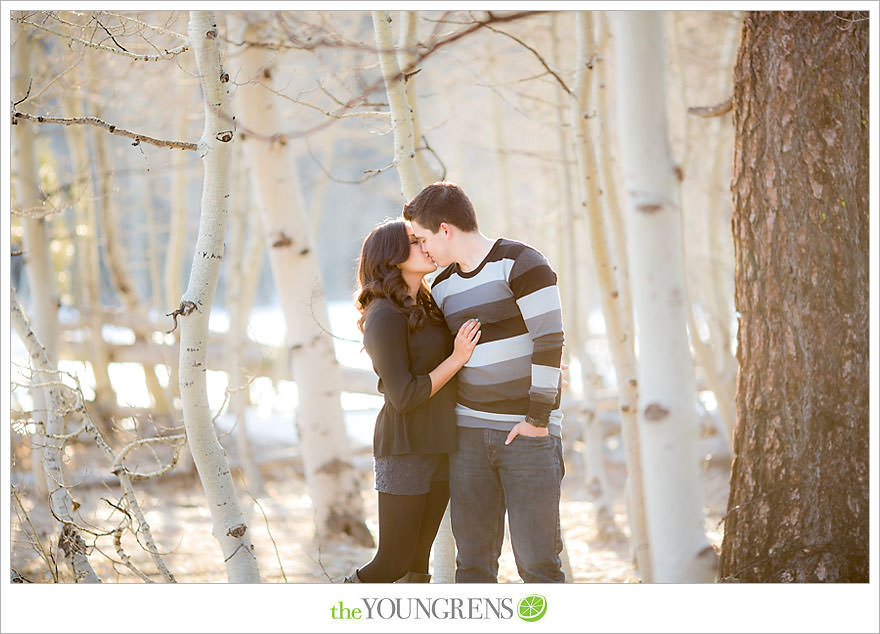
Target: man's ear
(446,228)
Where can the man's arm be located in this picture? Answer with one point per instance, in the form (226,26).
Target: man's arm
(534,287)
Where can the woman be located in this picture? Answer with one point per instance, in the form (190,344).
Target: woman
(415,357)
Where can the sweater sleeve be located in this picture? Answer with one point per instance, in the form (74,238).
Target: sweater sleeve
(385,339)
(534,287)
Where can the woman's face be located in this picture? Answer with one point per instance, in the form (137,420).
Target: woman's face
(418,261)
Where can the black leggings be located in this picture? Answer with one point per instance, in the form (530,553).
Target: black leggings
(407,527)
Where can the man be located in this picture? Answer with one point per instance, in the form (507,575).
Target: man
(509,454)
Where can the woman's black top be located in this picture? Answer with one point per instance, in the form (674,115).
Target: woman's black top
(411,421)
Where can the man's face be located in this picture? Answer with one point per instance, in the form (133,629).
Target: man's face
(434,245)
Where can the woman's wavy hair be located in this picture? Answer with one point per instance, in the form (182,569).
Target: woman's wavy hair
(384,248)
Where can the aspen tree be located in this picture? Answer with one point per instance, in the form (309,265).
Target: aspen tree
(61,504)
(618,322)
(406,54)
(239,299)
(401,112)
(402,122)
(115,254)
(42,284)
(229,525)
(575,283)
(88,266)
(326,450)
(667,413)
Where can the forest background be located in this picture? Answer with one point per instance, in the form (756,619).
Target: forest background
(494,112)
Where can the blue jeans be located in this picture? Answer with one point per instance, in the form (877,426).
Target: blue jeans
(487,478)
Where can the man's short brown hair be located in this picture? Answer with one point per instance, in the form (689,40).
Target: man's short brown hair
(442,202)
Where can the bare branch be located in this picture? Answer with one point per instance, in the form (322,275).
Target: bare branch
(535,53)
(95,121)
(167,54)
(433,45)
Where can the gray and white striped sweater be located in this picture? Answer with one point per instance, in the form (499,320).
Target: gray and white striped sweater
(514,370)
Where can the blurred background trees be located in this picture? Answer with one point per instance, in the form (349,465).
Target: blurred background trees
(518,107)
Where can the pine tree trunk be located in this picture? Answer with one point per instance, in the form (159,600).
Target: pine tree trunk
(401,114)
(667,421)
(618,322)
(799,505)
(70,542)
(230,526)
(332,479)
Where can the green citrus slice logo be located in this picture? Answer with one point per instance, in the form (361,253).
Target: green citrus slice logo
(532,607)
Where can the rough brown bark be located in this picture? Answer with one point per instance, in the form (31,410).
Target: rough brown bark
(798,507)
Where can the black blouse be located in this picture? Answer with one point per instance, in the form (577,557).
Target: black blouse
(411,421)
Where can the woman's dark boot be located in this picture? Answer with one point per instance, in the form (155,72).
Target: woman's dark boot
(352,578)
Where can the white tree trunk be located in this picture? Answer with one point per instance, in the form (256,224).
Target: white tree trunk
(401,114)
(333,482)
(238,303)
(43,291)
(618,322)
(573,284)
(88,265)
(667,414)
(230,527)
(403,122)
(115,254)
(409,36)
(69,541)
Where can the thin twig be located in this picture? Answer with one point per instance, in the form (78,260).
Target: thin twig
(268,530)
(536,54)
(168,54)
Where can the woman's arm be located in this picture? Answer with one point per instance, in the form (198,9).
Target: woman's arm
(465,342)
(385,339)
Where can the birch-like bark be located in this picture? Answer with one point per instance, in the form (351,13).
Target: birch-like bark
(331,477)
(718,235)
(667,417)
(230,526)
(115,256)
(613,210)
(406,54)
(88,266)
(39,269)
(401,113)
(404,122)
(238,304)
(714,357)
(573,284)
(61,504)
(618,323)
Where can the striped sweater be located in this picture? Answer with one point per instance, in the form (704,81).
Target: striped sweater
(514,370)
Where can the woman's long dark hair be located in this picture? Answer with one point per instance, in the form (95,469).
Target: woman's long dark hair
(384,248)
